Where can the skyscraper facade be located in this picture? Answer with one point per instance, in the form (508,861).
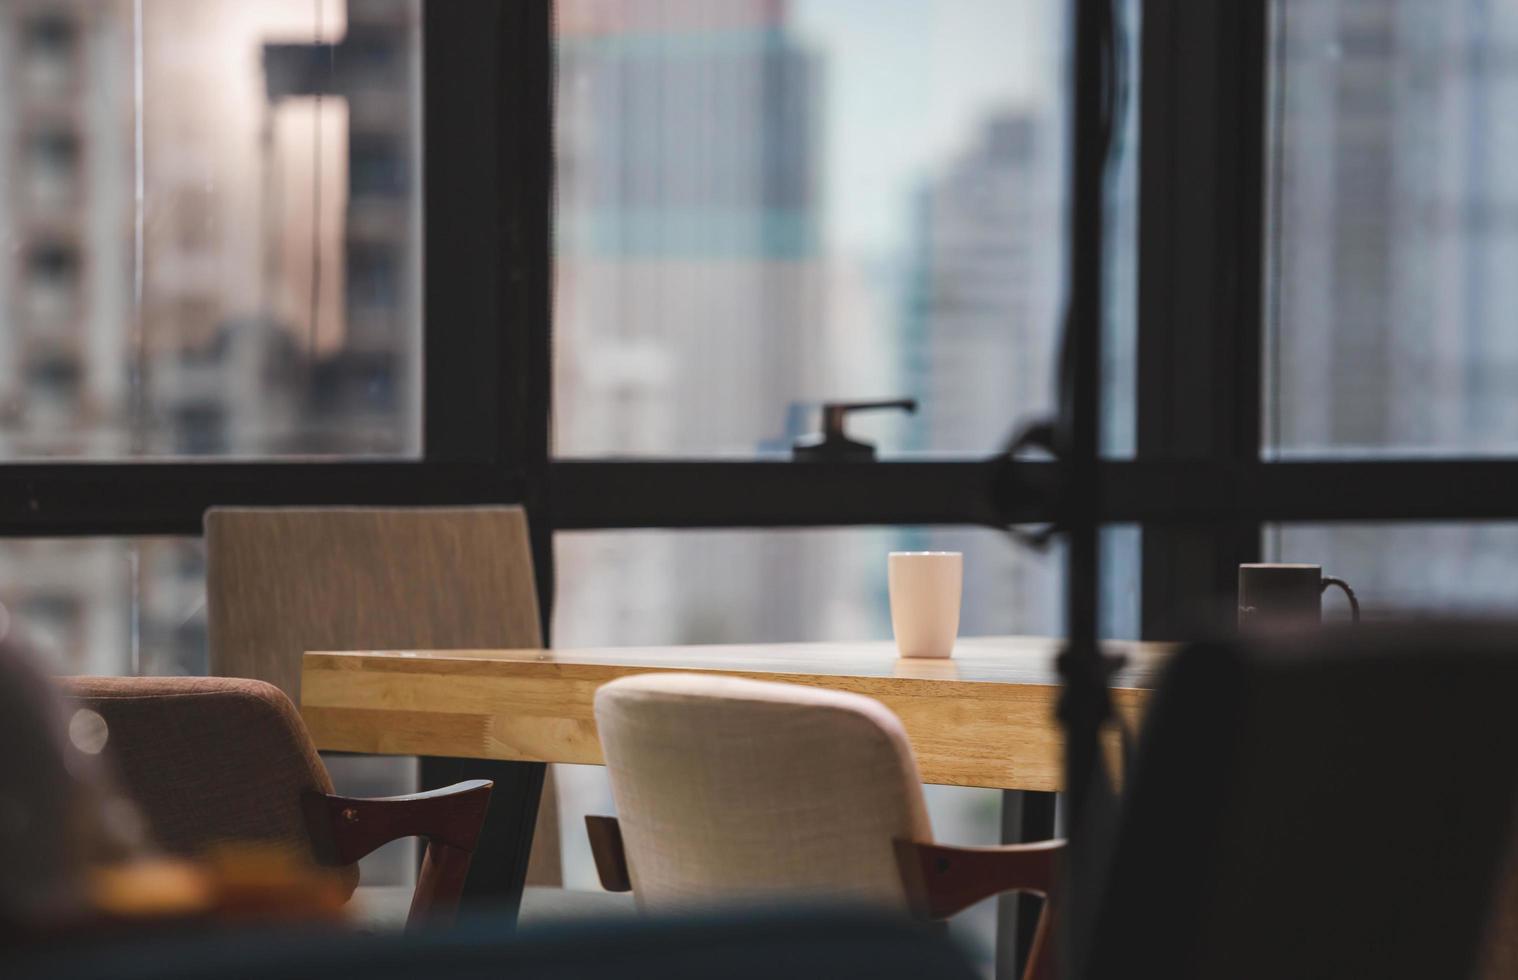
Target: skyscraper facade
(977,339)
(688,300)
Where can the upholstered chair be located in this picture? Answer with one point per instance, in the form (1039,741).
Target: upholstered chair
(284,580)
(213,761)
(740,792)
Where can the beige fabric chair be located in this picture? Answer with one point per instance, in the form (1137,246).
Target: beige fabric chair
(732,789)
(281,581)
(740,791)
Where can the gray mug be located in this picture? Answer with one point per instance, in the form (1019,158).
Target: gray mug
(1286,596)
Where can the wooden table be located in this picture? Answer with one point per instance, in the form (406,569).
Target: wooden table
(983,718)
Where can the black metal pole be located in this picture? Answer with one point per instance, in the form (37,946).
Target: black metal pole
(1084,705)
(490,77)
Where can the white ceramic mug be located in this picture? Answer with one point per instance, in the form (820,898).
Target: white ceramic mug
(925,590)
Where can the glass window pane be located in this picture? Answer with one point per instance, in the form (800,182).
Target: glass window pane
(763,205)
(630,588)
(657,587)
(1119,378)
(1392,237)
(1408,568)
(107,606)
(210,217)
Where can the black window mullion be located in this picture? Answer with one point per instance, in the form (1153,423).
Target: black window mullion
(99,499)
(606,494)
(1215,493)
(464,111)
(1201,192)
(524,133)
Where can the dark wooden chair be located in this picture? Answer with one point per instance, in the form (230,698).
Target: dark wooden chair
(217,761)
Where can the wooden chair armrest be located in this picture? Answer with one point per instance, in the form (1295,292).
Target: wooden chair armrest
(942,880)
(345,829)
(605,835)
(354,827)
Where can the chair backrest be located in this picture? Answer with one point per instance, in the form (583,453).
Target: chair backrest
(1329,806)
(209,760)
(282,581)
(731,789)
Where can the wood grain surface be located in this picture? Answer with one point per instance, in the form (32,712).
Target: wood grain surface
(983,718)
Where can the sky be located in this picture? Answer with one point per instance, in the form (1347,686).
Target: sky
(907,83)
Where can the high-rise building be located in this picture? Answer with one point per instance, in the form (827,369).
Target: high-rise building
(1390,248)
(977,335)
(362,393)
(688,304)
(66,218)
(1390,228)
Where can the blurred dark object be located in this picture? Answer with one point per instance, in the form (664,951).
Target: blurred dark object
(214,761)
(59,814)
(757,946)
(1335,806)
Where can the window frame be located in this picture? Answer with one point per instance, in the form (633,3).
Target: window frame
(488,82)
(1197,484)
(488,189)
(486,208)
(1198,467)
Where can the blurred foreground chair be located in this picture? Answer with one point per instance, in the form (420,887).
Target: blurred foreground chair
(1333,805)
(282,581)
(731,790)
(214,762)
(56,797)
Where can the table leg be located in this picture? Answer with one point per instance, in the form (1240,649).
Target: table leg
(1025,817)
(499,869)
